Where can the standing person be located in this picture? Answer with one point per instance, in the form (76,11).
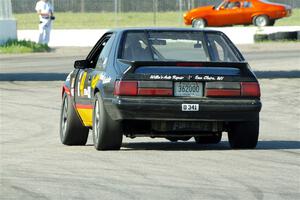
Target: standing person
(45,12)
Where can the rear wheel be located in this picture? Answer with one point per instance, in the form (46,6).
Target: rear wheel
(209,139)
(199,23)
(244,135)
(72,132)
(261,20)
(106,132)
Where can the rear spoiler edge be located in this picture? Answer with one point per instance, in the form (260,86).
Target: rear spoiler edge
(133,65)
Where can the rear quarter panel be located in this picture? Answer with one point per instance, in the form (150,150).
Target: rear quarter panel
(273,11)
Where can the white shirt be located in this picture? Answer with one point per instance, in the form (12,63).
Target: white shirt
(44,8)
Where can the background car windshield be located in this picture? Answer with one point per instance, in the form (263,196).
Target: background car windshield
(176,46)
(220,4)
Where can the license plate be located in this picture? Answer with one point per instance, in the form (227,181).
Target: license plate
(190,107)
(188,89)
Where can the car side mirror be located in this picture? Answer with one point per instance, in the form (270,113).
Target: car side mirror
(81,64)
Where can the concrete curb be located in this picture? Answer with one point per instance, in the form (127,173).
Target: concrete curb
(278,36)
(88,37)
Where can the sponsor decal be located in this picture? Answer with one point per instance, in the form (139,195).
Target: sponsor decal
(105,79)
(166,77)
(209,78)
(189,77)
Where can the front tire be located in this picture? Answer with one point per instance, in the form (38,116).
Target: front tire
(261,21)
(244,135)
(72,132)
(106,132)
(199,23)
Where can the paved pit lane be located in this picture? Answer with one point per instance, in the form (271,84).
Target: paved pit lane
(35,165)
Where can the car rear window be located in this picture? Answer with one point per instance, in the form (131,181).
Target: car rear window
(176,46)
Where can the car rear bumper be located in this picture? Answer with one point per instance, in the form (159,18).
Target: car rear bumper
(171,109)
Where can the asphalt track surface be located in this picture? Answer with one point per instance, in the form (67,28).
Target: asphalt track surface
(35,165)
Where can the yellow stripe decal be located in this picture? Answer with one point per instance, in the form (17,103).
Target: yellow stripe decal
(86,115)
(82,84)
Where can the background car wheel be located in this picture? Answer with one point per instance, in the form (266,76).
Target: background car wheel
(209,139)
(107,133)
(261,20)
(199,23)
(244,135)
(72,132)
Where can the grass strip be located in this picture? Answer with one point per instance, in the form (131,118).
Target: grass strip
(23,46)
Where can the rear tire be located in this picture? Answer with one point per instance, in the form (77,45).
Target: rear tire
(72,132)
(244,135)
(210,139)
(261,20)
(106,132)
(199,23)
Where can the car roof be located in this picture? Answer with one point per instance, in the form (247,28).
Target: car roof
(160,29)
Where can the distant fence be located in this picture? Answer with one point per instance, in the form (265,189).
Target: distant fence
(25,6)
(5,9)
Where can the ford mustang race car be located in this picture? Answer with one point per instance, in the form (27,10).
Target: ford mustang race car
(160,82)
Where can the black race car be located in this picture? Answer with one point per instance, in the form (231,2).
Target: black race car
(161,82)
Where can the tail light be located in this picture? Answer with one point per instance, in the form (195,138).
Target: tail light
(223,89)
(250,89)
(126,88)
(232,89)
(143,88)
(222,93)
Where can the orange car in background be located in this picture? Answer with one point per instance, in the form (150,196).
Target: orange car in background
(232,12)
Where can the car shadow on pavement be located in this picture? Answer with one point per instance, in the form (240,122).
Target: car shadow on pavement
(278,144)
(192,146)
(174,146)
